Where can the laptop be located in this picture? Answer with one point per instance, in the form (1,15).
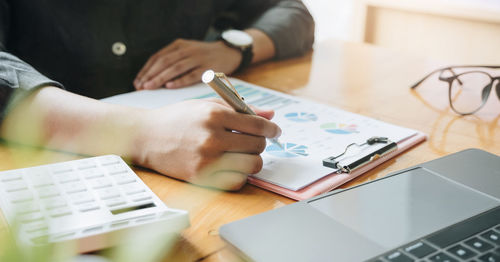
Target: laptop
(443,210)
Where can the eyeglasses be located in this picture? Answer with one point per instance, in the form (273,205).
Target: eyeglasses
(468,91)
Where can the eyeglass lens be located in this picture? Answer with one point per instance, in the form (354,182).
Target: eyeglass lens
(471,92)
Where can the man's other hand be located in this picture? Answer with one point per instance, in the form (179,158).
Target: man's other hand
(183,62)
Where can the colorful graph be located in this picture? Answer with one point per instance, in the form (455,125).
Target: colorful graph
(289,150)
(340,129)
(257,97)
(301,117)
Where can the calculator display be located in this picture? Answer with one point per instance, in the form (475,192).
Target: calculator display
(132,208)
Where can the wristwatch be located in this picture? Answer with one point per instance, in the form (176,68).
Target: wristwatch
(241,41)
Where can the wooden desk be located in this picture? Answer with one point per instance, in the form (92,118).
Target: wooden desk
(356,77)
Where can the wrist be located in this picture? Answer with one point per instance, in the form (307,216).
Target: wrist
(135,127)
(232,56)
(242,42)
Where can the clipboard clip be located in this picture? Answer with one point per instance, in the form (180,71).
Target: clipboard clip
(336,162)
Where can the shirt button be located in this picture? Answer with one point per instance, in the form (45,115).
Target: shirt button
(119,48)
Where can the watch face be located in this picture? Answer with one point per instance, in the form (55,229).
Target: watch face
(237,38)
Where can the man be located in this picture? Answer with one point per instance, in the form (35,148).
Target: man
(94,49)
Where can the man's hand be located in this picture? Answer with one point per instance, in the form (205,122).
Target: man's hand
(194,141)
(204,142)
(183,62)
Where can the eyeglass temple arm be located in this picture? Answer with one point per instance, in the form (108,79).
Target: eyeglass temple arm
(425,78)
(451,70)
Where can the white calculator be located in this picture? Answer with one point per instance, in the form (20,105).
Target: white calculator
(86,200)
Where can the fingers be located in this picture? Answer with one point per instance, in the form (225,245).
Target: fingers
(185,80)
(159,61)
(139,79)
(170,71)
(228,180)
(243,143)
(230,171)
(250,124)
(185,59)
(265,113)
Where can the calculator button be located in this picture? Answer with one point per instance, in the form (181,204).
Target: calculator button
(41,178)
(55,202)
(15,185)
(27,207)
(120,223)
(109,160)
(31,217)
(67,177)
(74,187)
(141,197)
(116,169)
(108,193)
(124,178)
(92,173)
(88,207)
(100,183)
(92,230)
(60,211)
(43,182)
(38,226)
(49,191)
(115,202)
(10,176)
(63,236)
(133,188)
(62,168)
(20,196)
(80,198)
(40,240)
(86,164)
(146,218)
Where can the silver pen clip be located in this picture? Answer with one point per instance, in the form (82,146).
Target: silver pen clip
(224,77)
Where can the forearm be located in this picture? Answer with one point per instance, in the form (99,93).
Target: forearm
(54,118)
(288,24)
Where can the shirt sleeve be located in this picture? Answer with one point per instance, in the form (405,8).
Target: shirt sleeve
(16,76)
(287,22)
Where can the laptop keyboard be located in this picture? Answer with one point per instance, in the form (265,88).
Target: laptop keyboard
(475,239)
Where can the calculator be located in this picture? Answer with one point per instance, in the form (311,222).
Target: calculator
(90,201)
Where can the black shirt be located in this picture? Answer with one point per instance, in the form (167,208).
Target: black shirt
(71,42)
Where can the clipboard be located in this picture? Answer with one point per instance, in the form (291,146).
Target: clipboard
(252,93)
(336,179)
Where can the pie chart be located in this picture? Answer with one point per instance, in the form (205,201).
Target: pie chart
(301,117)
(340,129)
(289,150)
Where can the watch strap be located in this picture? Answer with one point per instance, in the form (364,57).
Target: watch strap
(246,59)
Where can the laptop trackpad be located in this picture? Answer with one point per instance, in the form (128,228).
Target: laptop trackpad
(404,207)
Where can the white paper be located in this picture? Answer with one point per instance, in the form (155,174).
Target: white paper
(311,131)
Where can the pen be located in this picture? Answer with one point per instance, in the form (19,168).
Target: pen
(230,95)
